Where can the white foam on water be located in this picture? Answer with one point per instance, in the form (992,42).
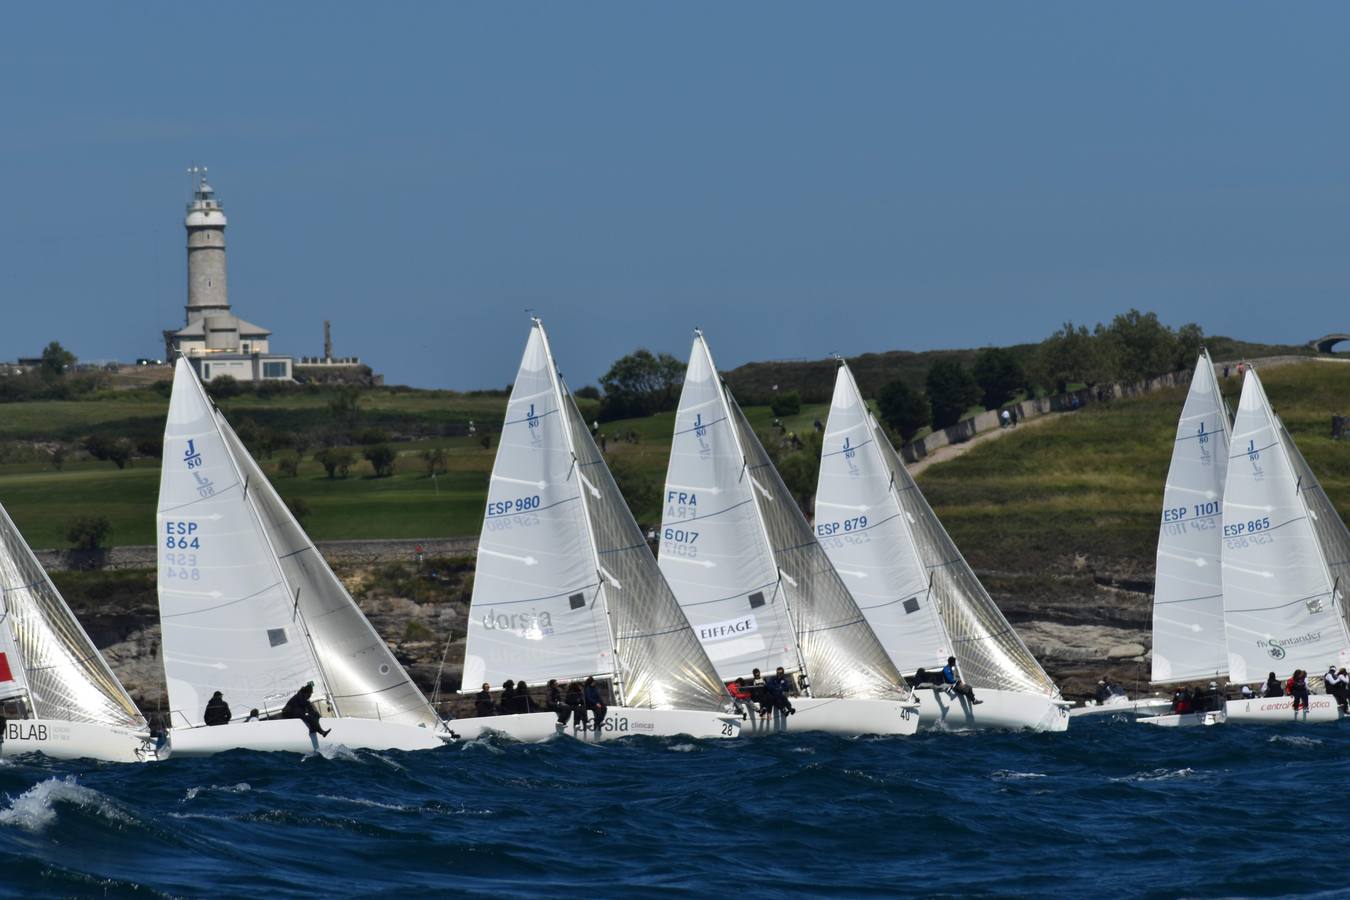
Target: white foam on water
(1297,740)
(479,745)
(35,808)
(802,750)
(1158,775)
(362,801)
(193,792)
(682,748)
(335,751)
(1009,775)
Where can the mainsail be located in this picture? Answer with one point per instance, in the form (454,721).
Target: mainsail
(917,590)
(230,623)
(1282,602)
(46,655)
(362,674)
(565,585)
(1188,620)
(744,563)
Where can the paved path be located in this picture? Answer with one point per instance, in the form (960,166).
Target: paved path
(951,451)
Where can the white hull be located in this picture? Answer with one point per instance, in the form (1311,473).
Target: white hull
(620,721)
(941,710)
(1280,710)
(291,735)
(1185,720)
(1148,707)
(837,716)
(76,740)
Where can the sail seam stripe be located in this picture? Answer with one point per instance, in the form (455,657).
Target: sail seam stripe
(525,512)
(704,425)
(622,549)
(220,493)
(542,415)
(652,634)
(1196,519)
(22,587)
(856,447)
(847,624)
(716,513)
(1259,450)
(733,596)
(868,527)
(1282,605)
(194,612)
(582,589)
(1186,600)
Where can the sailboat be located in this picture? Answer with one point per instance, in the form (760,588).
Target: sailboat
(916,589)
(754,581)
(566,588)
(1285,559)
(57,695)
(248,607)
(1188,620)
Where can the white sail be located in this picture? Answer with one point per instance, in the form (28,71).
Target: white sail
(917,590)
(1188,620)
(1282,607)
(714,553)
(229,622)
(565,586)
(45,655)
(769,568)
(365,679)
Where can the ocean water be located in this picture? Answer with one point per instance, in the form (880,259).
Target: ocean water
(1108,809)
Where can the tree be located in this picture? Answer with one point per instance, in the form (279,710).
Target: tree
(1190,338)
(437,461)
(88,532)
(1147,347)
(289,465)
(55,360)
(589,392)
(381,458)
(1075,355)
(951,391)
(640,384)
(786,404)
(999,375)
(116,451)
(903,409)
(336,461)
(223,386)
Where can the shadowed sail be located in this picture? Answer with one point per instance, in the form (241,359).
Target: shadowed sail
(1188,621)
(916,589)
(566,586)
(45,656)
(1283,600)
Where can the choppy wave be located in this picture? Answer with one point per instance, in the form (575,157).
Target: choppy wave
(932,815)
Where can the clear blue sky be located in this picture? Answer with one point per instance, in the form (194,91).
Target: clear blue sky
(795,179)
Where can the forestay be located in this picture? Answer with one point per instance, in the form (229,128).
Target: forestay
(364,678)
(44,652)
(1281,605)
(890,548)
(714,553)
(1188,620)
(229,622)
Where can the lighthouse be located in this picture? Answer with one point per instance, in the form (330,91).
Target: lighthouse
(214,339)
(205,224)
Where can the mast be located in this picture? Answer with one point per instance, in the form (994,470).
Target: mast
(604,577)
(759,514)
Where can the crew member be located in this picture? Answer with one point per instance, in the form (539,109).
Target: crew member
(1273,687)
(595,704)
(217,711)
(556,703)
(951,677)
(777,686)
(300,707)
(482,701)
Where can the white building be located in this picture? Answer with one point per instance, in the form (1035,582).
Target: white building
(216,341)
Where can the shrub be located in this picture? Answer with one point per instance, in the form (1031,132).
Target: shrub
(299,508)
(89,532)
(951,391)
(381,458)
(223,386)
(788,404)
(903,409)
(289,465)
(336,461)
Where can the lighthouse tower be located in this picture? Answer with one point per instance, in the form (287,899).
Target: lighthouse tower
(214,339)
(206,255)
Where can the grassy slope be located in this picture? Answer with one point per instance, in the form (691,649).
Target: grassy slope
(1086,490)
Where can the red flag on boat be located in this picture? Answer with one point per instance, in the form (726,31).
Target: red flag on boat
(5,673)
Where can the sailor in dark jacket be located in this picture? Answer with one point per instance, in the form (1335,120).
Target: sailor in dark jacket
(217,711)
(482,701)
(300,707)
(595,703)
